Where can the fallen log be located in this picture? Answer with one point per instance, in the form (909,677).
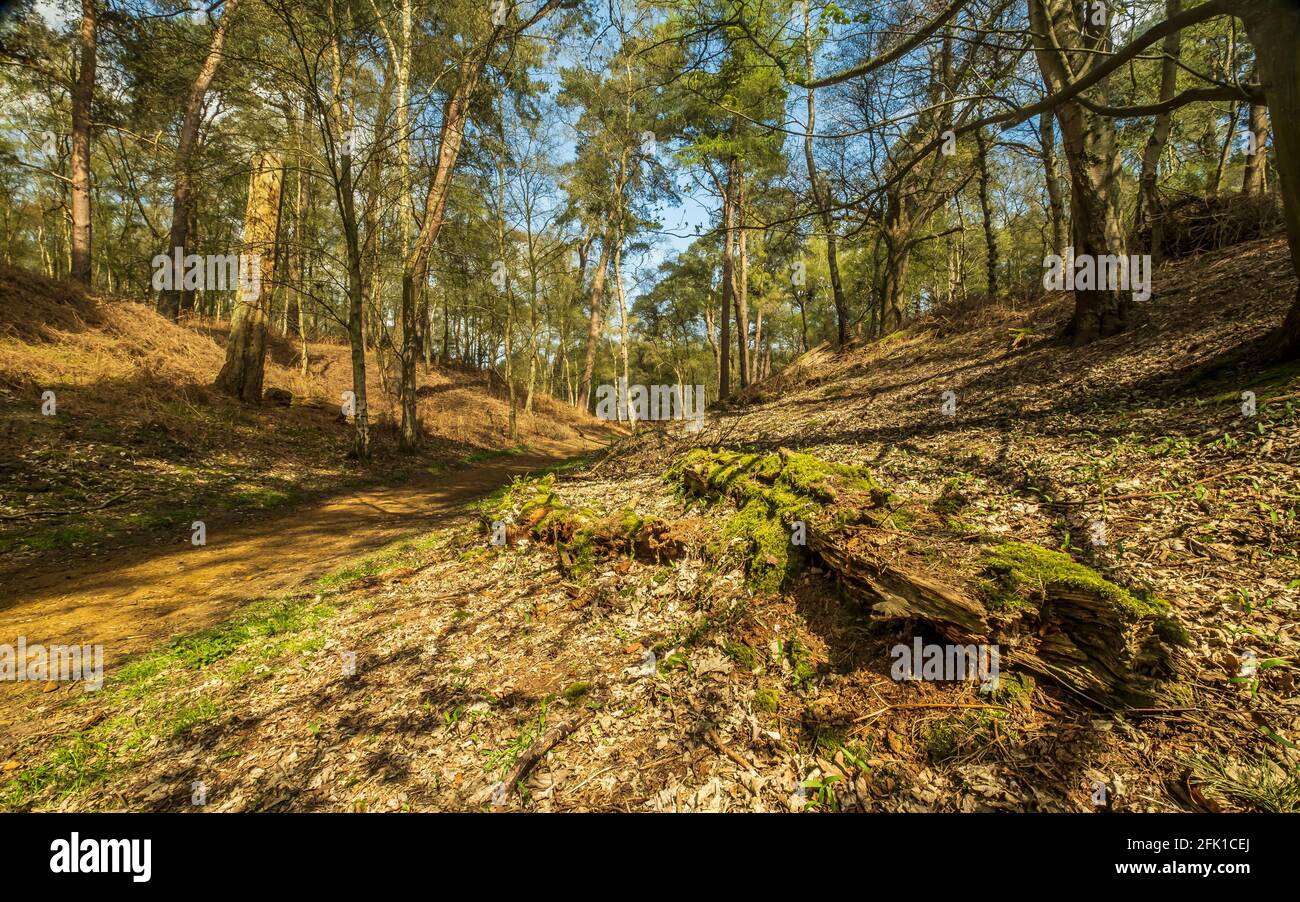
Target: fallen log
(1045,612)
(581,536)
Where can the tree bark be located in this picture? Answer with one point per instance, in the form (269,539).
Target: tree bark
(740,295)
(820,195)
(83,93)
(728,289)
(990,237)
(623,330)
(1148,208)
(896,234)
(169,299)
(1274,29)
(593,323)
(1066,48)
(241,376)
(1055,204)
(1255,179)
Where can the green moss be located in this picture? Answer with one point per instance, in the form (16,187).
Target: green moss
(949,737)
(741,654)
(1013,689)
(769,559)
(951,500)
(1171,632)
(1020,573)
(575,691)
(772,492)
(766,700)
(941,740)
(801,662)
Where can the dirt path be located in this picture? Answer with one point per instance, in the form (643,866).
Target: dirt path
(132,599)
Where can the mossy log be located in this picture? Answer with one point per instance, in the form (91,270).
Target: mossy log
(581,536)
(1047,613)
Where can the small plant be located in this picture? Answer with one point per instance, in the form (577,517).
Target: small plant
(823,793)
(1260,783)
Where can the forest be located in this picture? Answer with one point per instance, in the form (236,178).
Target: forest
(650,405)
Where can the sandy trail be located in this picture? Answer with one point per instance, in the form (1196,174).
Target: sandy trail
(131,599)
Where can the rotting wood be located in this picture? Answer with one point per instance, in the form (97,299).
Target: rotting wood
(1045,612)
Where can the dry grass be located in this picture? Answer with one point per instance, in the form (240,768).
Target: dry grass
(53,336)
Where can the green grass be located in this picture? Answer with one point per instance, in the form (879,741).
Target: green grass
(478,457)
(402,553)
(259,498)
(202,711)
(74,764)
(78,760)
(498,761)
(1259,784)
(52,539)
(263,620)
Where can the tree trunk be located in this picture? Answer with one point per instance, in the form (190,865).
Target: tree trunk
(820,195)
(83,93)
(1148,208)
(169,299)
(1274,29)
(593,324)
(623,330)
(741,293)
(728,288)
(1066,48)
(898,255)
(241,376)
(990,237)
(1225,150)
(1254,180)
(1055,204)
(455,116)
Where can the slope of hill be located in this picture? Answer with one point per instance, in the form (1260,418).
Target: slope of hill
(140,441)
(632,648)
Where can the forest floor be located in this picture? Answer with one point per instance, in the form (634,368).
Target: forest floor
(132,598)
(418,677)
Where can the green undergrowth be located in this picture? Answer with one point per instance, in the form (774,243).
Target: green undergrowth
(478,457)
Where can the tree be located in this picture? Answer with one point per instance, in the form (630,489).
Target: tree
(170,300)
(241,376)
(820,195)
(83,95)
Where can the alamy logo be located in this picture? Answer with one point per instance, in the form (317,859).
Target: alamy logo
(1087,272)
(658,402)
(946,663)
(103,856)
(211,272)
(45,663)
